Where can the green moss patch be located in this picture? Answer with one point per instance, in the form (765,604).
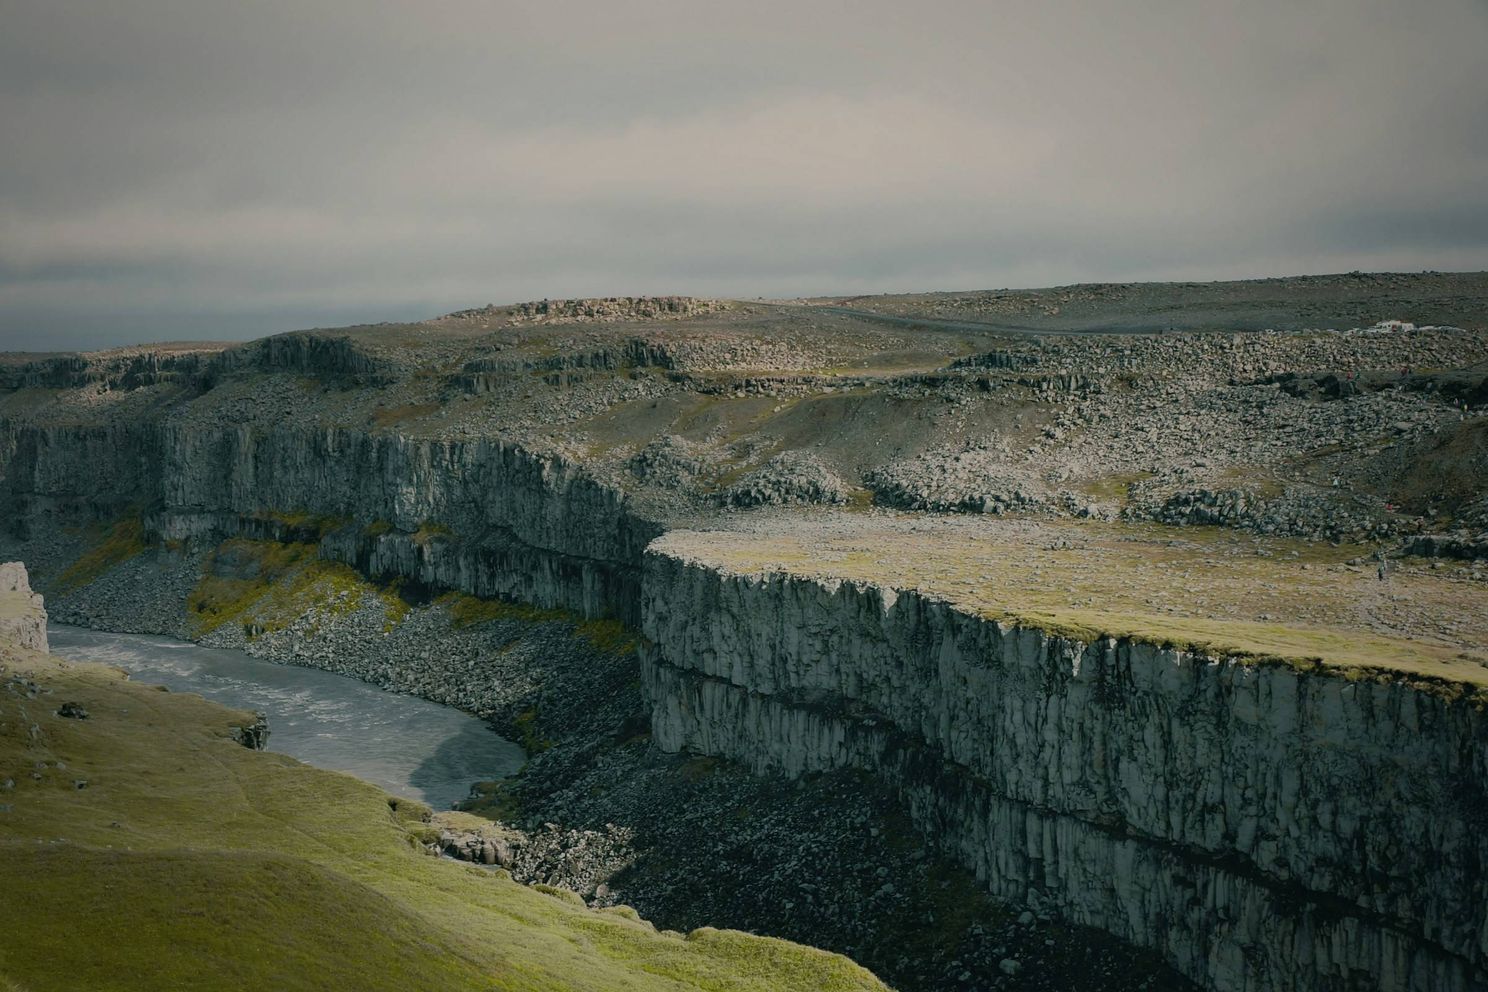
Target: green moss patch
(466,610)
(112,547)
(428,531)
(1115,488)
(526,724)
(391,416)
(609,636)
(315,525)
(266,585)
(496,801)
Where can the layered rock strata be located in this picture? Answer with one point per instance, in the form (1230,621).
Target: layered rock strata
(1262,827)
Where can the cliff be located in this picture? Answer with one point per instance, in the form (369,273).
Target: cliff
(484,516)
(23,619)
(1263,827)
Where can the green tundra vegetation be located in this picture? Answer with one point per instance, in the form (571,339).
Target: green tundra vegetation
(143,848)
(267,584)
(118,543)
(466,610)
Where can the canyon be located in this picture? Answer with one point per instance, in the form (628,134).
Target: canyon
(150,842)
(1139,638)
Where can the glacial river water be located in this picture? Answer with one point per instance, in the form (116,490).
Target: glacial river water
(408,746)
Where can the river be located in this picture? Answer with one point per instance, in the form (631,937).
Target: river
(408,746)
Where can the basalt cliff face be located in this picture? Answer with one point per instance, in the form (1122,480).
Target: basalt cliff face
(483,516)
(1264,828)
(23,618)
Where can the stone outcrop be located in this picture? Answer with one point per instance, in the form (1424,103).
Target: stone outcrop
(1461,545)
(123,369)
(1262,827)
(321,355)
(627,354)
(254,736)
(23,619)
(603,310)
(789,477)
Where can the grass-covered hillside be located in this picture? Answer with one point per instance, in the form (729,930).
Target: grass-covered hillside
(143,848)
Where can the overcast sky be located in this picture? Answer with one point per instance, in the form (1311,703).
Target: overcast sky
(212,169)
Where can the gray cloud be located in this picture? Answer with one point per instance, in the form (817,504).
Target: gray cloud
(179,168)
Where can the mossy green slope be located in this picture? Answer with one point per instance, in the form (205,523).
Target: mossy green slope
(189,862)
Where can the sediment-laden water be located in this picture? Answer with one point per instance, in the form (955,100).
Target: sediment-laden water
(410,747)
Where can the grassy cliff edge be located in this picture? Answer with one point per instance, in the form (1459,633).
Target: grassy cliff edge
(143,848)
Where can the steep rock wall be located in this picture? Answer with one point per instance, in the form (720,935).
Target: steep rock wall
(508,521)
(23,619)
(53,476)
(1263,828)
